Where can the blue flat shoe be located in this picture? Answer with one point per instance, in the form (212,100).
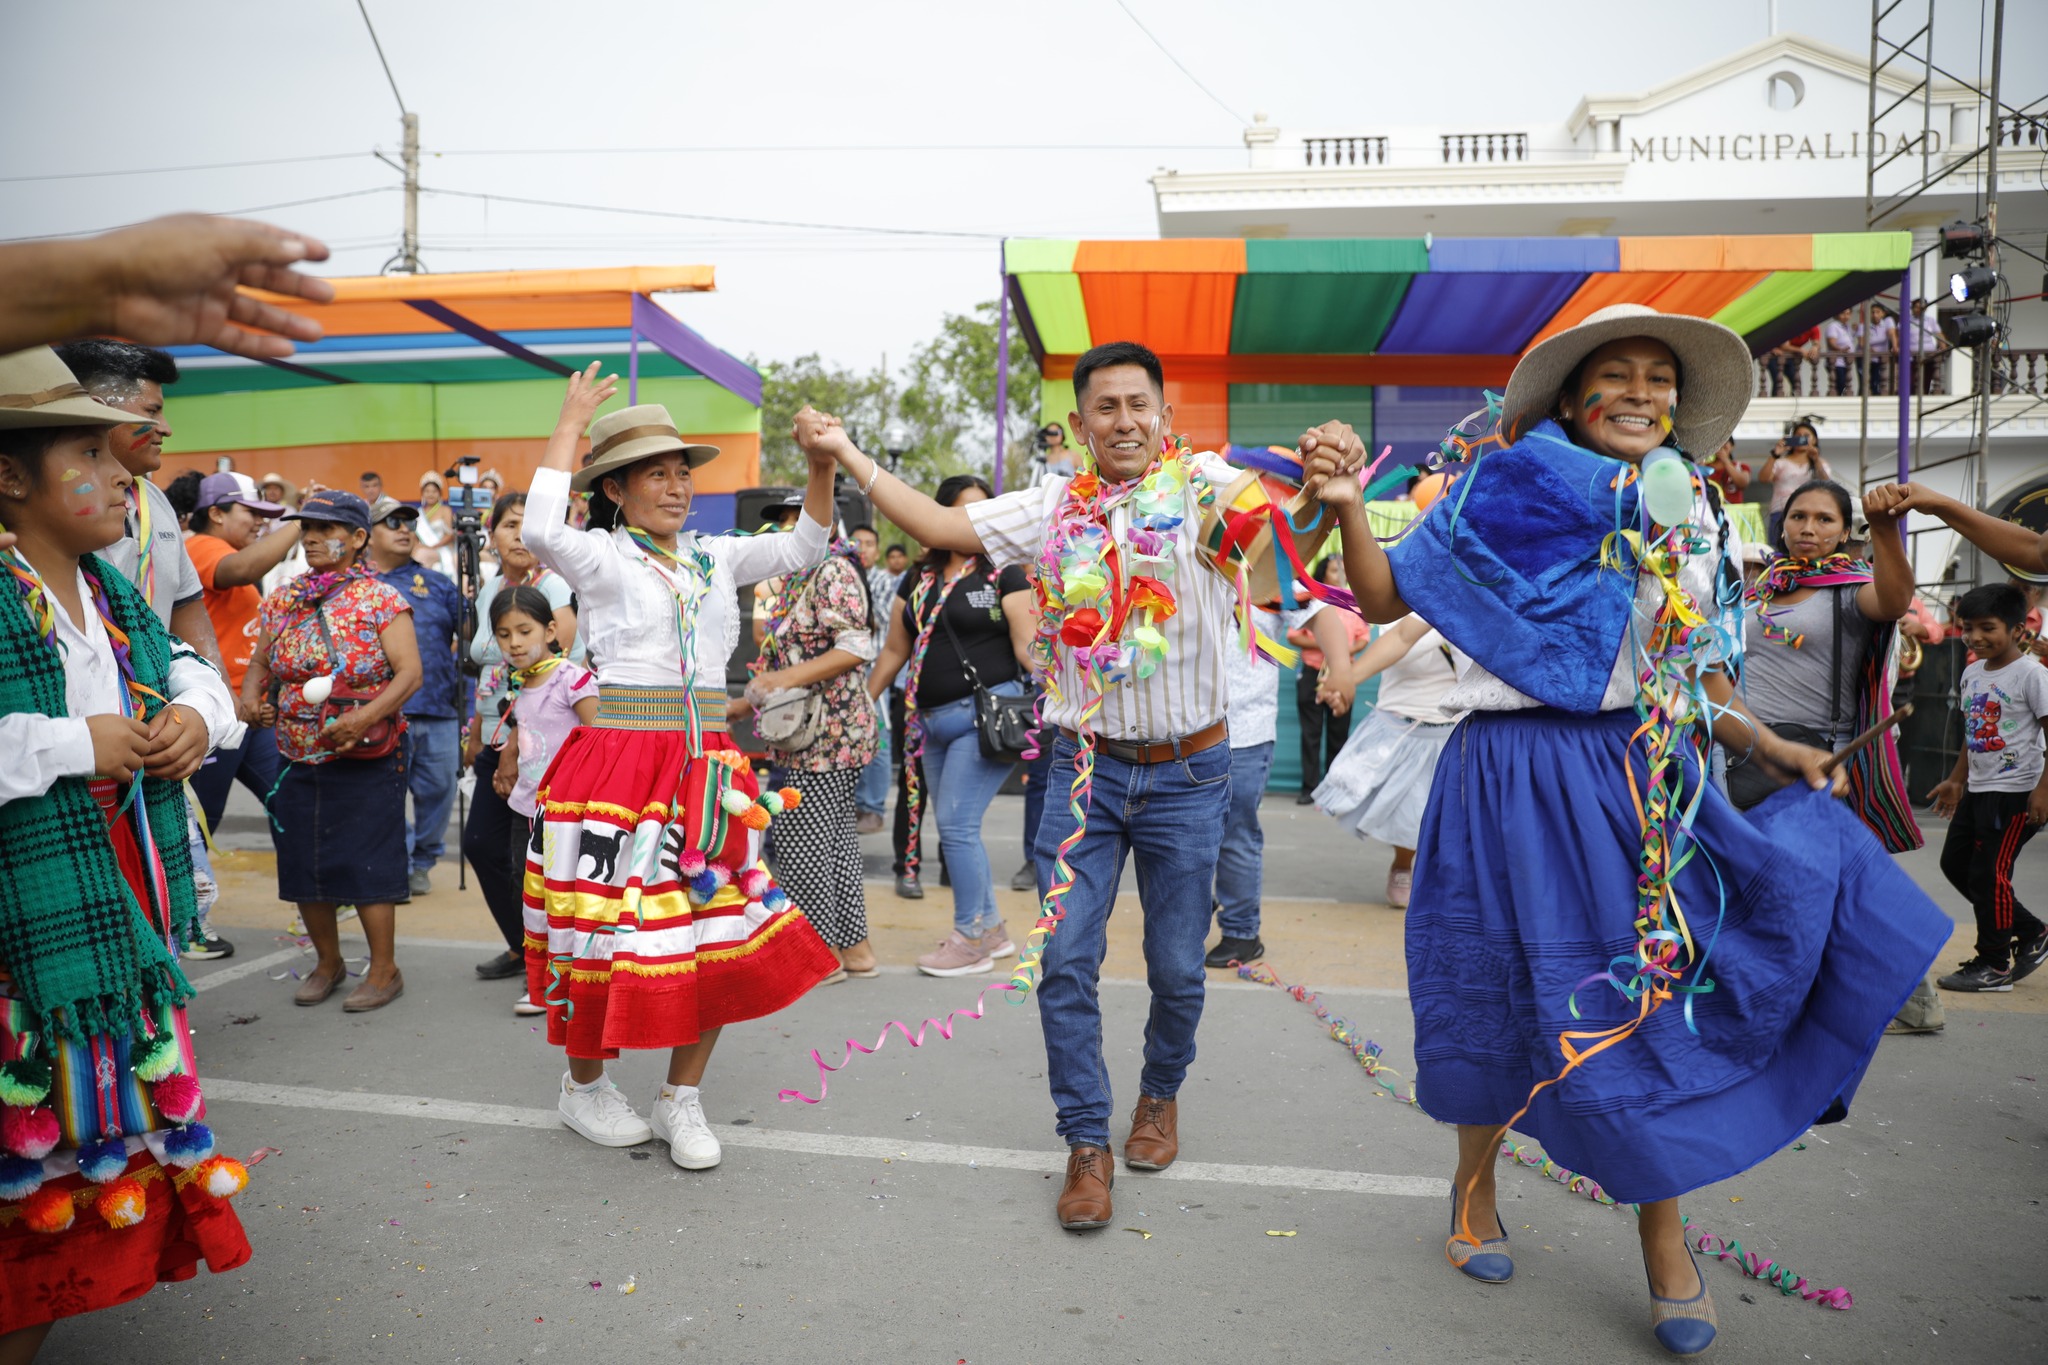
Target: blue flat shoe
(1684,1327)
(1489,1262)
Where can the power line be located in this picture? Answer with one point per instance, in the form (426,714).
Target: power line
(225,213)
(380,56)
(1176,61)
(170,170)
(714,217)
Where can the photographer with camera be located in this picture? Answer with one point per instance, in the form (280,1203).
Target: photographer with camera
(1055,458)
(436,712)
(1793,463)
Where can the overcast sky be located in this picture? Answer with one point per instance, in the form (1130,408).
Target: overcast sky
(203,81)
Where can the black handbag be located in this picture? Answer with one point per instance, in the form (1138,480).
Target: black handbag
(1004,724)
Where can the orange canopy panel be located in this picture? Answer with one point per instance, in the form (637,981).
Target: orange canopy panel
(1187,314)
(1792,251)
(502,300)
(1696,293)
(1201,411)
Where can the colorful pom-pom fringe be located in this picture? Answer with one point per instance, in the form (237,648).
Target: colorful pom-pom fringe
(190,1145)
(754,883)
(101,1162)
(157,1059)
(690,863)
(24,1082)
(791,798)
(49,1209)
(177,1098)
(735,802)
(223,1177)
(19,1178)
(32,1132)
(122,1204)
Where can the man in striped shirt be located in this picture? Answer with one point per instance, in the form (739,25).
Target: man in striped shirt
(1162,752)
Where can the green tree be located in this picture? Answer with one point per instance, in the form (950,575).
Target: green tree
(855,397)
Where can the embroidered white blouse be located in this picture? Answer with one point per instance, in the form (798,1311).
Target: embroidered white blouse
(626,598)
(42,749)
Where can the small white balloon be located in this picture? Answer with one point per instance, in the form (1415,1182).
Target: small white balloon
(318,689)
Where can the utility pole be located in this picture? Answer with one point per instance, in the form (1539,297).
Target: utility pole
(408,262)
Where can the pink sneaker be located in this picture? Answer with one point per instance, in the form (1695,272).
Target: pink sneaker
(1398,886)
(996,942)
(957,956)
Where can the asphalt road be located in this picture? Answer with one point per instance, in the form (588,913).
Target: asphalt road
(424,1205)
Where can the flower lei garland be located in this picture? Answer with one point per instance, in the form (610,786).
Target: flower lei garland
(29,1129)
(1789,575)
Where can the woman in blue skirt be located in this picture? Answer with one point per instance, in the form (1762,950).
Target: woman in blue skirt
(1602,952)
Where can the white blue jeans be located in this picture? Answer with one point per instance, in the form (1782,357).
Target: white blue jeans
(1241,862)
(961,784)
(1165,816)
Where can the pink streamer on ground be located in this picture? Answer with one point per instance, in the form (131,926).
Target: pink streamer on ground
(944,1026)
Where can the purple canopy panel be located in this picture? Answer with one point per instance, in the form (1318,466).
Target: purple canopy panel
(669,332)
(1492,314)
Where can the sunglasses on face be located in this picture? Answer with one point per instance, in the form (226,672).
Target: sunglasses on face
(395,522)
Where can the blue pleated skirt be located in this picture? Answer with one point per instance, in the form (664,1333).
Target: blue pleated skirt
(1525,880)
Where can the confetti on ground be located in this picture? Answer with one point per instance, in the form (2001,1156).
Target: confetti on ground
(1271,1233)
(1141,1232)
(629,1286)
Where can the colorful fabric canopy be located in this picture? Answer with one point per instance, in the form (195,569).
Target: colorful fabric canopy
(1254,333)
(416,370)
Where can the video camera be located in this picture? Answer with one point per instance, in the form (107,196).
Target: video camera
(471,505)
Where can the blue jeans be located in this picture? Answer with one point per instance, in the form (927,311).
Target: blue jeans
(871,797)
(1241,862)
(1158,813)
(254,763)
(436,763)
(962,784)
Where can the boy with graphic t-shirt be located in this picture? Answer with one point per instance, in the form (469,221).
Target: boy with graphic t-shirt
(2005,698)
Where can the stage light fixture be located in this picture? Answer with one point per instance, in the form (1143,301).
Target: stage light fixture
(1962,239)
(1973,282)
(1968,329)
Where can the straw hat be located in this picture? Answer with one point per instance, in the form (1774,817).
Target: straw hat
(631,435)
(36,390)
(1714,385)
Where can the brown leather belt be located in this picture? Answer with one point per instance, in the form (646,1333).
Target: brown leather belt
(1159,751)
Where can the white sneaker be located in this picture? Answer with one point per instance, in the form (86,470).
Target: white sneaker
(679,1121)
(524,1005)
(602,1114)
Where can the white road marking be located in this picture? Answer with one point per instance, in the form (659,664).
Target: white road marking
(825,1144)
(250,967)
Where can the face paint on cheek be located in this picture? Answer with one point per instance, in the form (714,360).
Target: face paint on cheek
(1591,403)
(69,475)
(334,548)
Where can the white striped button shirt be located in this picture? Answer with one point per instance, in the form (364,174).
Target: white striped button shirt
(1191,689)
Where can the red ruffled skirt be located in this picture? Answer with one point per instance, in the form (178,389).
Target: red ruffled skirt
(92,1265)
(649,916)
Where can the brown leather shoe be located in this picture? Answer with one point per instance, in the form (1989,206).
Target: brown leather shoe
(1153,1143)
(366,997)
(317,986)
(1084,1201)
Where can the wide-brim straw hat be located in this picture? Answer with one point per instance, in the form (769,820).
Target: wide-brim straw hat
(631,435)
(1714,377)
(37,390)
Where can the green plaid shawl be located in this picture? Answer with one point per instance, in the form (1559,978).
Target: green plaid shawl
(71,933)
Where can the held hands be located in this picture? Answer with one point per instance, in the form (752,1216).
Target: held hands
(1947,795)
(1890,502)
(821,436)
(120,746)
(1332,692)
(1331,456)
(506,778)
(586,394)
(178,742)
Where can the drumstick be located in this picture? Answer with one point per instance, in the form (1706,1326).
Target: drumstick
(1857,745)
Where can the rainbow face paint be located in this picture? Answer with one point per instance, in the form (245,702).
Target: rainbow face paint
(1591,403)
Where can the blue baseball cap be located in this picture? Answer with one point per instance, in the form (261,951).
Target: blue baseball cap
(331,504)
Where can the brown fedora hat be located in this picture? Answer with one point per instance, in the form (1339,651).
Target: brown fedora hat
(36,390)
(631,435)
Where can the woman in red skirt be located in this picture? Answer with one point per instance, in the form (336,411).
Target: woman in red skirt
(650,919)
(109,1181)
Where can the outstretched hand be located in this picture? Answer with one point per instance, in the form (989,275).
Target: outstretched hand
(175,280)
(585,395)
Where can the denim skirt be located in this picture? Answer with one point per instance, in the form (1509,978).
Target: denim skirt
(340,830)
